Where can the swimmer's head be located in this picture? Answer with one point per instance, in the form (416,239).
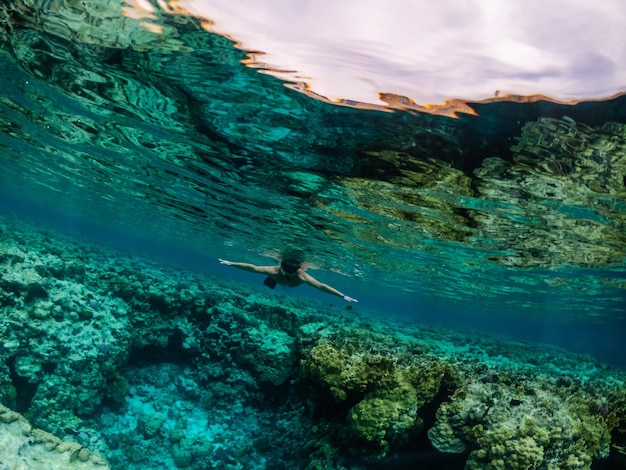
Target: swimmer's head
(292,257)
(289,267)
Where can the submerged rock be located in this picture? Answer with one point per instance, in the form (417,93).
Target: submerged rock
(521,425)
(22,446)
(381,383)
(150,424)
(270,354)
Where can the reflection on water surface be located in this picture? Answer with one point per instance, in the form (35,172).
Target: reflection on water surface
(100,112)
(421,55)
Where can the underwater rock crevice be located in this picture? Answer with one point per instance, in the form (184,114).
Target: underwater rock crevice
(25,390)
(172,353)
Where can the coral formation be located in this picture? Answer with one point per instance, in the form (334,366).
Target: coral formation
(520,424)
(153,367)
(23,446)
(382,384)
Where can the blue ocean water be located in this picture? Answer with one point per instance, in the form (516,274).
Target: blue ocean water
(508,224)
(550,322)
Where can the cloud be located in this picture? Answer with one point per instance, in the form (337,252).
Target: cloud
(431,51)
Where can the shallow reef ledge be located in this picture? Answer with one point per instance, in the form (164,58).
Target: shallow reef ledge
(128,363)
(22,446)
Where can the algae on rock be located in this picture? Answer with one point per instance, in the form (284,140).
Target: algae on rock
(512,427)
(22,446)
(380,385)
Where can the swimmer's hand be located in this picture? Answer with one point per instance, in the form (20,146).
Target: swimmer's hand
(227,263)
(348,299)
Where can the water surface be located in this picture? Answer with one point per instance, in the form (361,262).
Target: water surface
(513,215)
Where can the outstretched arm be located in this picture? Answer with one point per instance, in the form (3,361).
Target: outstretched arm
(310,280)
(253,268)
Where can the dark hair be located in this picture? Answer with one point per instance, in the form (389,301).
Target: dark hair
(289,266)
(292,259)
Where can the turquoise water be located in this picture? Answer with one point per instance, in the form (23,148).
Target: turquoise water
(509,222)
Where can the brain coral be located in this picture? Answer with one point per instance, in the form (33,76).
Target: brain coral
(520,427)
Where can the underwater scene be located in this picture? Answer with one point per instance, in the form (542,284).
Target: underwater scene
(331,235)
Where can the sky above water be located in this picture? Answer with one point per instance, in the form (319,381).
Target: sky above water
(430,51)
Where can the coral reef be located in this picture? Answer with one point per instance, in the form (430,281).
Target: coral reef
(22,446)
(151,366)
(519,422)
(380,383)
(155,366)
(74,332)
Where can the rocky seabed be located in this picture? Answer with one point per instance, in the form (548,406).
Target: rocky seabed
(110,360)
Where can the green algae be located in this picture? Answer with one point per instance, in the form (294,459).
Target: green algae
(381,383)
